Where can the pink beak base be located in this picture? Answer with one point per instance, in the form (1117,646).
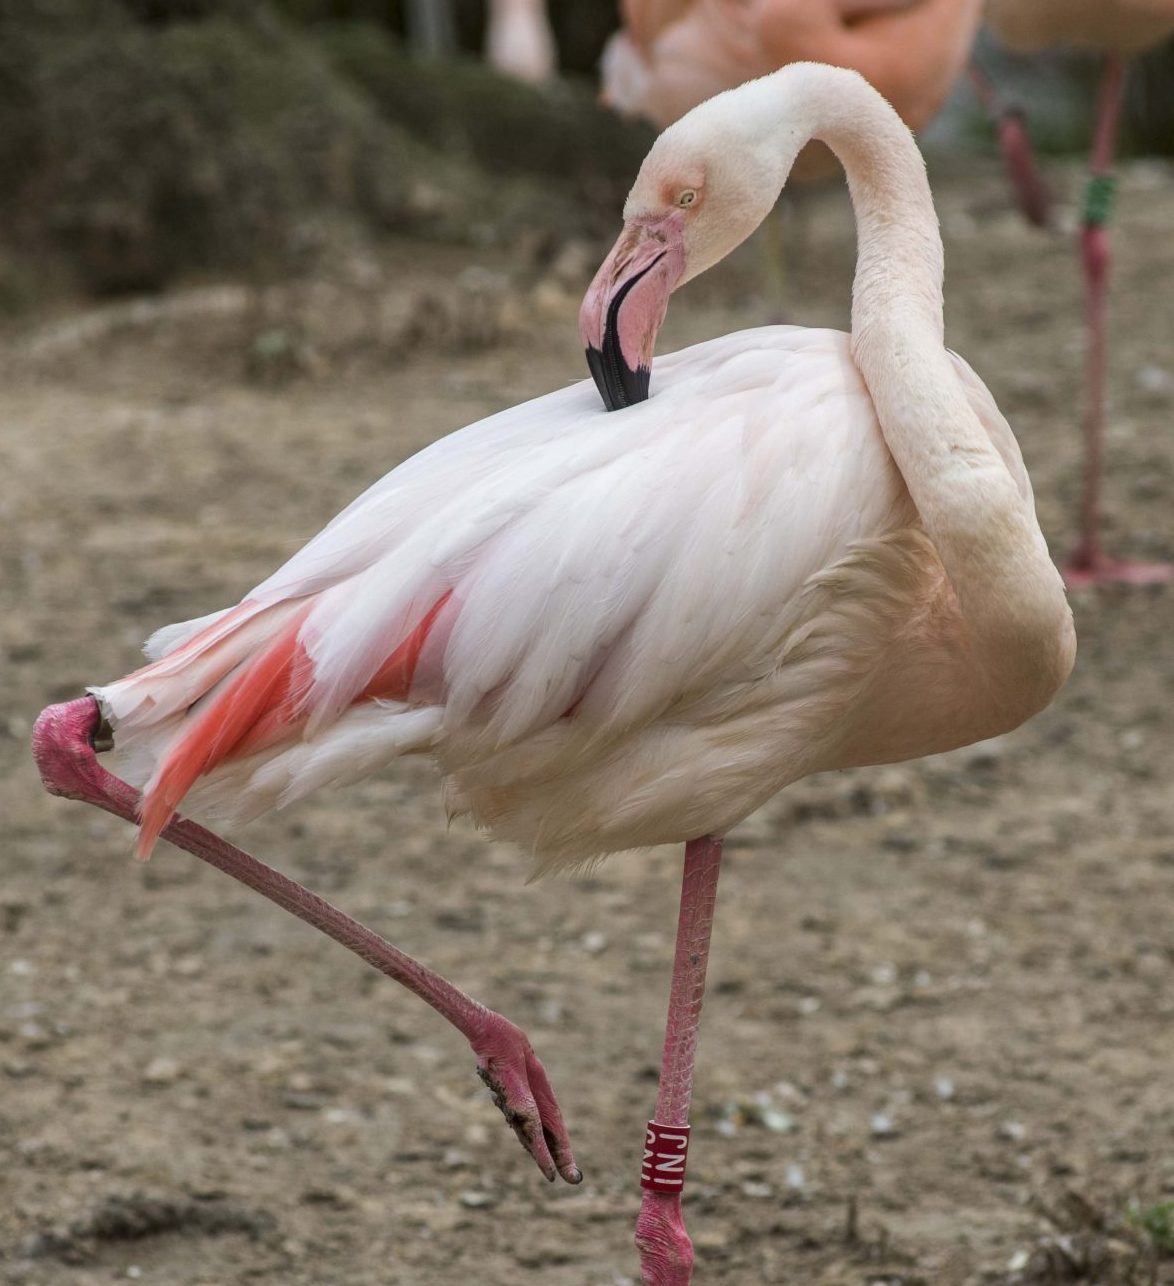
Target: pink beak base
(625,306)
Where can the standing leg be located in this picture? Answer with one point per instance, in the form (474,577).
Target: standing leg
(1089,564)
(64,748)
(1031,192)
(666,1253)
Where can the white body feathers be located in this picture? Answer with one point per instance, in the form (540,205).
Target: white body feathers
(658,617)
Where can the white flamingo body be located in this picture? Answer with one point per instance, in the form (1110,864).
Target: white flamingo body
(806,550)
(657,618)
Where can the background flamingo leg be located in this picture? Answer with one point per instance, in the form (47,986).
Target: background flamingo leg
(1089,565)
(666,1252)
(64,740)
(1031,192)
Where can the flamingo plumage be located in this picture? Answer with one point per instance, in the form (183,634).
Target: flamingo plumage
(805,550)
(1118,29)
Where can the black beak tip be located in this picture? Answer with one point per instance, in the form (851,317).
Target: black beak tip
(619,386)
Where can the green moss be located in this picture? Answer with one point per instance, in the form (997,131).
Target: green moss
(1157,1222)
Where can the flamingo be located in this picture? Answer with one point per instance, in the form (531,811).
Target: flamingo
(806,550)
(518,38)
(1118,29)
(673,54)
(519,41)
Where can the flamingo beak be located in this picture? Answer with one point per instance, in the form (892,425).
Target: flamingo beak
(626,304)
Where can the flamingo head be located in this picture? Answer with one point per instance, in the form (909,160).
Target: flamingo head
(708,182)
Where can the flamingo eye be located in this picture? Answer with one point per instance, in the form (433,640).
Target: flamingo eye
(687,197)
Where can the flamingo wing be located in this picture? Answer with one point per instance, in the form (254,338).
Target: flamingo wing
(552,566)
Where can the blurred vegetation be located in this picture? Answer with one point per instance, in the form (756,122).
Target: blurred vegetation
(140,139)
(144,139)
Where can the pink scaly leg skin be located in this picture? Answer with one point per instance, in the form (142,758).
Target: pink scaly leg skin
(64,739)
(1089,565)
(666,1253)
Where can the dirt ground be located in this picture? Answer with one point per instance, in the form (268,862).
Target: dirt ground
(938,1043)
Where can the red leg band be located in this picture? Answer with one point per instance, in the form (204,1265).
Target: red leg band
(666,1149)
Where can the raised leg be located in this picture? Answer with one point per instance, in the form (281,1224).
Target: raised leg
(1089,565)
(1031,192)
(666,1253)
(64,747)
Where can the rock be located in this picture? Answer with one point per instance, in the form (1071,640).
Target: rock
(1155,381)
(757,1191)
(161,1071)
(881,1126)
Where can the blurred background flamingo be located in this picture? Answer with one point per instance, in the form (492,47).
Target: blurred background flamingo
(1119,29)
(519,41)
(518,38)
(672,54)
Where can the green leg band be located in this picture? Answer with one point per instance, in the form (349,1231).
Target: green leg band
(1099,198)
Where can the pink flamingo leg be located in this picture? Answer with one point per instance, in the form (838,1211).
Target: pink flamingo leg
(1031,192)
(64,749)
(666,1253)
(1089,565)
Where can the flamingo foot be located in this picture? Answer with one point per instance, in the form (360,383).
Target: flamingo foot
(508,1065)
(66,739)
(666,1252)
(1088,568)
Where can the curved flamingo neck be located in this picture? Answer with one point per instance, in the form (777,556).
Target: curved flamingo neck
(1011,598)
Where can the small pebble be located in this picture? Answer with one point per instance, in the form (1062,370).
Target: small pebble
(594,942)
(1013,1131)
(161,1071)
(943,1087)
(476,1200)
(777,1121)
(759,1191)
(34,1035)
(341,1116)
(881,1125)
(1153,379)
(794,1178)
